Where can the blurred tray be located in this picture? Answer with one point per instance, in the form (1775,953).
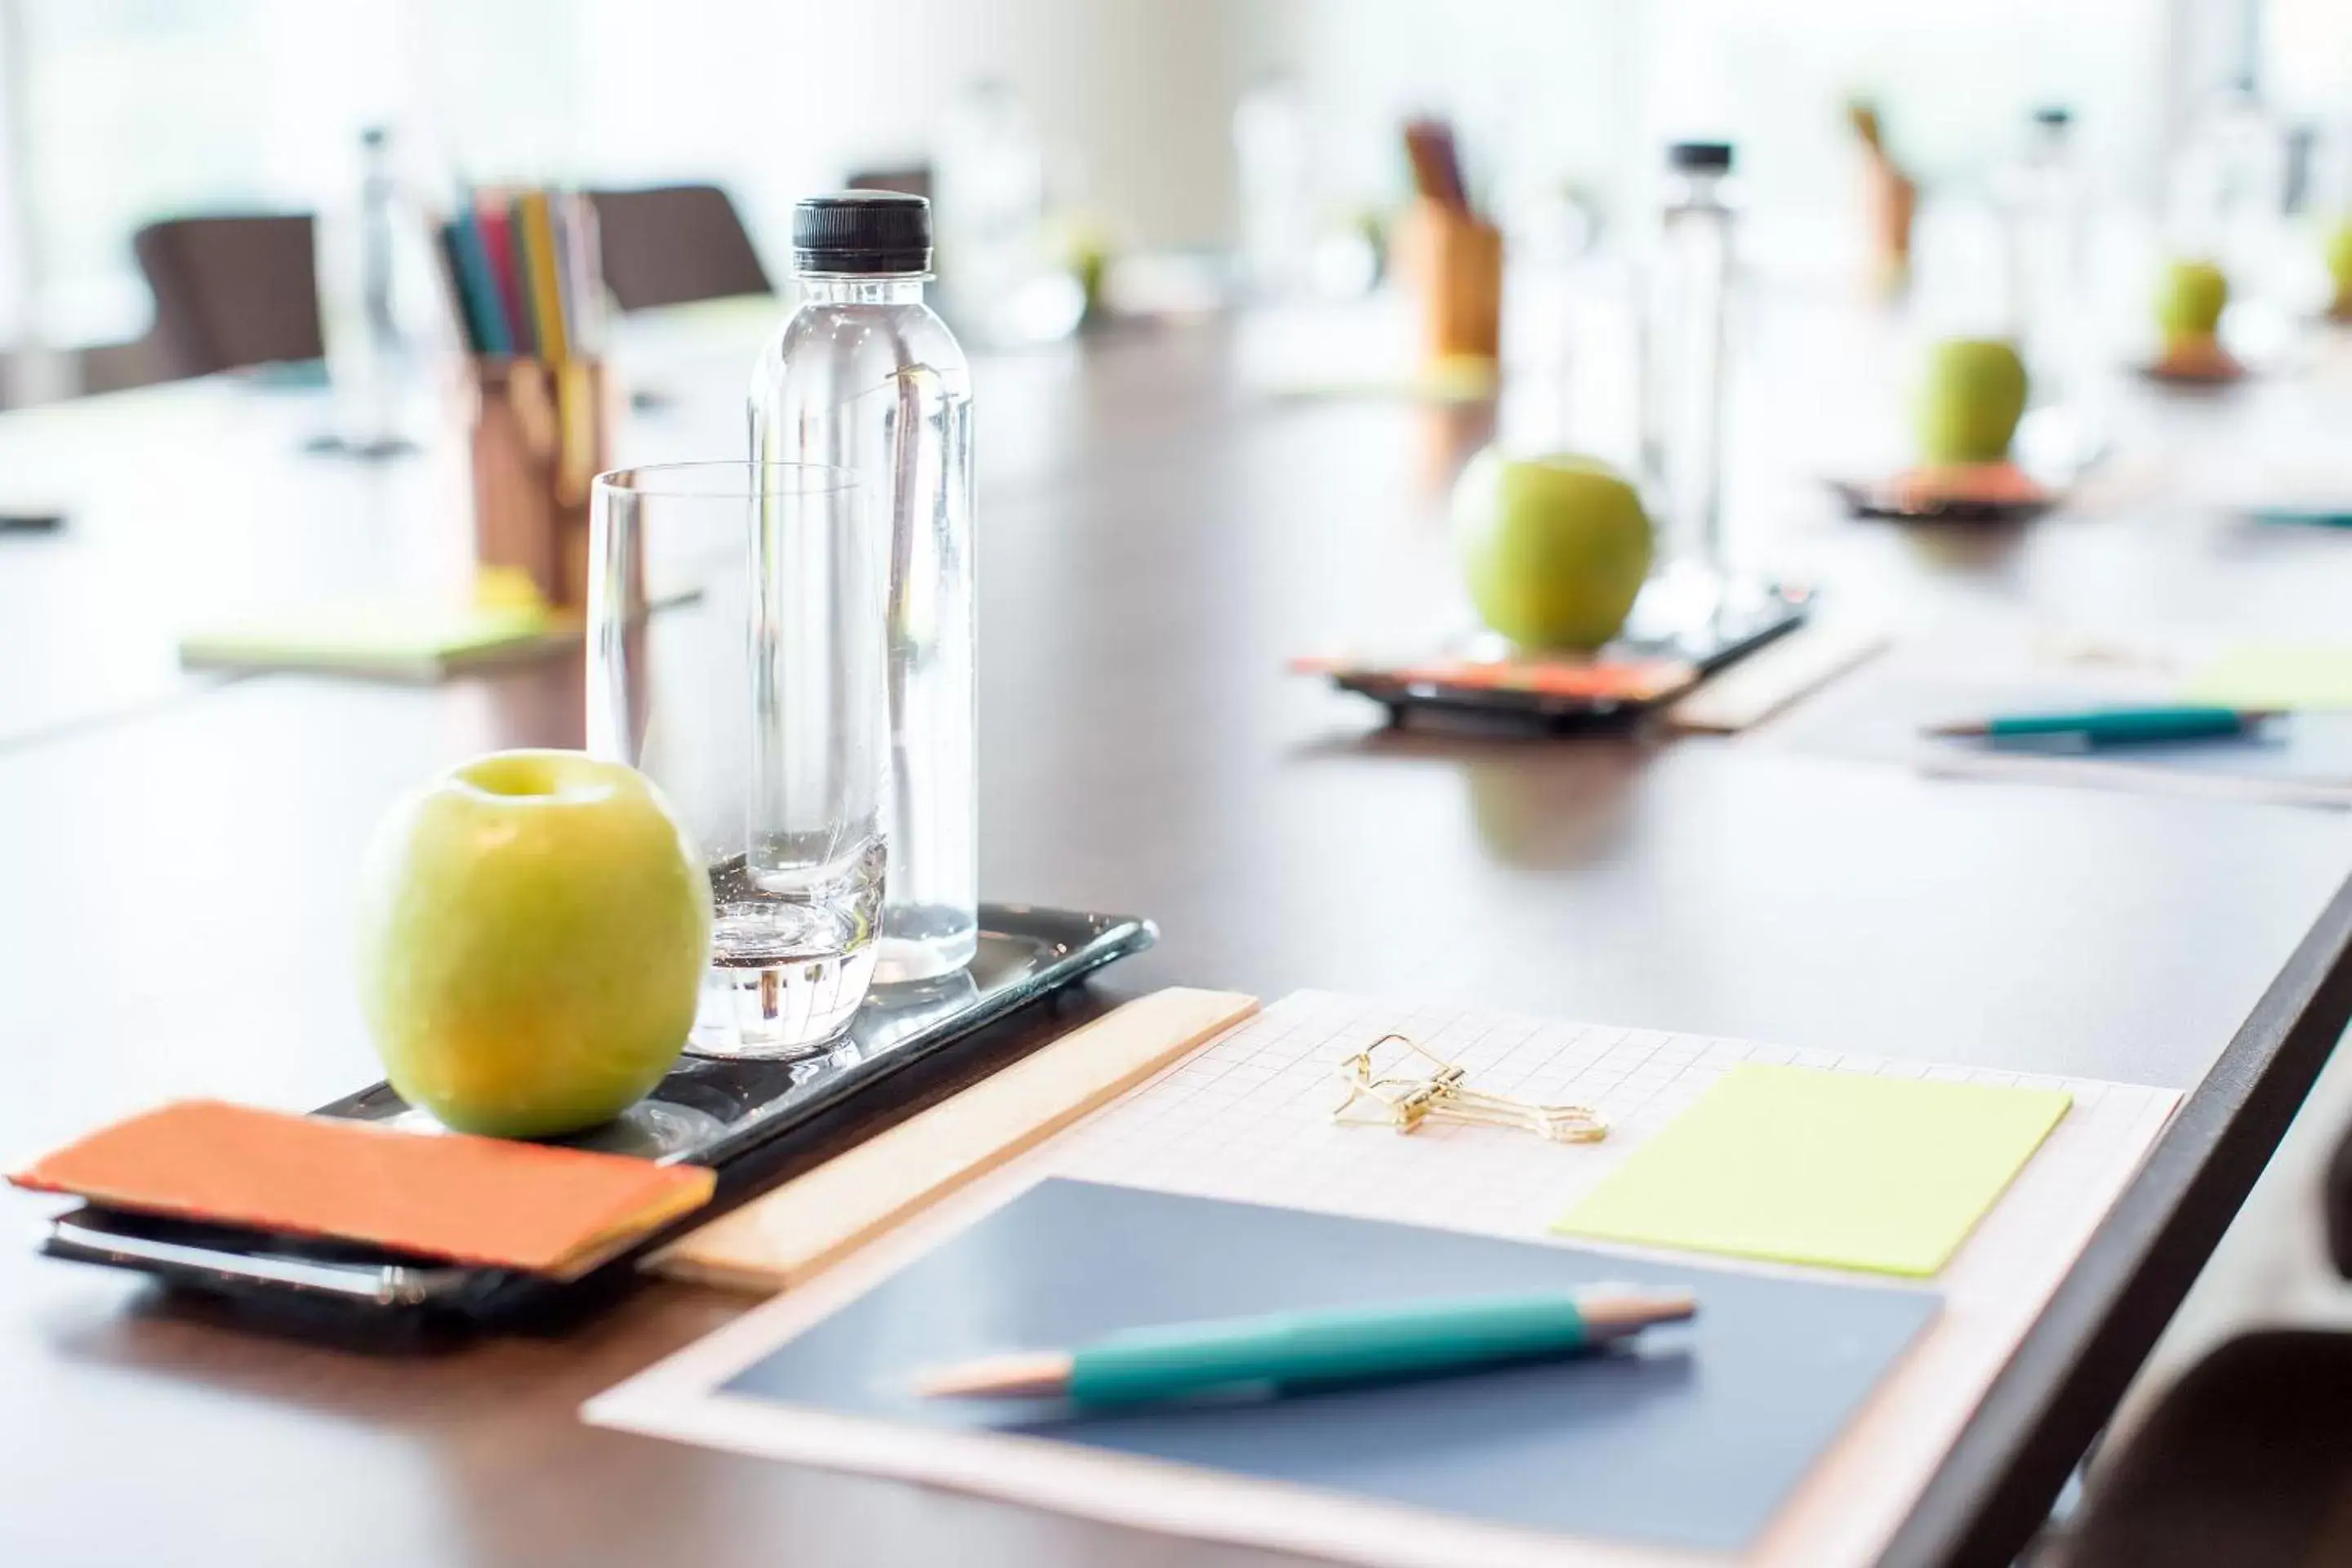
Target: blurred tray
(1661,654)
(1878,501)
(745,1120)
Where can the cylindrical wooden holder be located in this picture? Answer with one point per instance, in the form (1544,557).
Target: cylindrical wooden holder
(1455,263)
(541,435)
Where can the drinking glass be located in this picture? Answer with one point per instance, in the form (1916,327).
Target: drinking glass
(736,656)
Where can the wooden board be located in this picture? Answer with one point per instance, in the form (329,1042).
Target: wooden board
(1774,676)
(816,1218)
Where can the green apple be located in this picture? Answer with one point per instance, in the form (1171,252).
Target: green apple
(1970,400)
(1553,549)
(533,929)
(2339,269)
(2190,299)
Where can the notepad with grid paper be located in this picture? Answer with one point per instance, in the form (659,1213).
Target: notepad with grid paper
(1247,1116)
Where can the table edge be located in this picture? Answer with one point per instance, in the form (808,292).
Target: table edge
(1994,1488)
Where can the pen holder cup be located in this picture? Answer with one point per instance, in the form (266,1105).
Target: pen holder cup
(1456,264)
(541,433)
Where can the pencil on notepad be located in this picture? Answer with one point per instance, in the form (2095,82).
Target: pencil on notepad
(1287,1350)
(2114,726)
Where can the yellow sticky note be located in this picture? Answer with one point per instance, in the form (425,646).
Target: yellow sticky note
(1841,1169)
(2275,675)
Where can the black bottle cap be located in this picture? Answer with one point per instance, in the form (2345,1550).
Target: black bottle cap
(862,231)
(1699,157)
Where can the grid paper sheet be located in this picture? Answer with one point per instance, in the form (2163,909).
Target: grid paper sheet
(1248,1117)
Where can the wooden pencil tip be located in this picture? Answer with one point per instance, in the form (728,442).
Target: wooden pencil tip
(1615,1310)
(1024,1374)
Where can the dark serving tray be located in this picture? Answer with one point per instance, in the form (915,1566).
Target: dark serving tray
(746,1120)
(1871,501)
(1755,615)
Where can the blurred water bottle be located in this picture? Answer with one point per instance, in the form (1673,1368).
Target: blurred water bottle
(2042,213)
(1273,178)
(864,375)
(990,173)
(366,310)
(1682,360)
(2229,188)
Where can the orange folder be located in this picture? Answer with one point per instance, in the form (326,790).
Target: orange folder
(531,1207)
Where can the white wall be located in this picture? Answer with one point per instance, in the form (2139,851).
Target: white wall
(142,106)
(778,100)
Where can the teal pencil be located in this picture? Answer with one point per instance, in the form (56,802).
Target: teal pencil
(1286,1350)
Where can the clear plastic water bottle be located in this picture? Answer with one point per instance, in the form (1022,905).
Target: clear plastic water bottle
(1683,361)
(2041,208)
(2229,186)
(1275,184)
(991,174)
(865,376)
(2044,215)
(357,250)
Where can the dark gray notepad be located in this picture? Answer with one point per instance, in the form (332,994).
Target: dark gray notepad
(1692,1436)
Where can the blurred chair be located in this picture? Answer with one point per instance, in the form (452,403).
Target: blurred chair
(672,245)
(230,291)
(2246,1462)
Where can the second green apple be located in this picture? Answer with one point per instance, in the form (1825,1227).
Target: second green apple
(2340,270)
(2190,299)
(1970,400)
(1553,549)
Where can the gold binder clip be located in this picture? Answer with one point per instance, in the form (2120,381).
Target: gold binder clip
(1404,1102)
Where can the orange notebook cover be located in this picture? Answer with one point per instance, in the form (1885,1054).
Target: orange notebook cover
(471,1200)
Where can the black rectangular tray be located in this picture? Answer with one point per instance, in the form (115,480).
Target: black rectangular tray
(746,1120)
(1757,613)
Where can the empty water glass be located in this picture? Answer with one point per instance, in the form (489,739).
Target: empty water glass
(736,656)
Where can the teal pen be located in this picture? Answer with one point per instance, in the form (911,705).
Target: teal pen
(2114,726)
(1408,1340)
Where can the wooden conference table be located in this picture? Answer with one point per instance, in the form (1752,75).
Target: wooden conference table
(177,855)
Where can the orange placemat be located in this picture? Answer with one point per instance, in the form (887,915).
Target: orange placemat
(469,1199)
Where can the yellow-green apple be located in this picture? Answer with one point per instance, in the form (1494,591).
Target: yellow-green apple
(1969,401)
(2190,299)
(1553,549)
(534,929)
(2339,270)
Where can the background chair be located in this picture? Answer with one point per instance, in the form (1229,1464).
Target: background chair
(230,291)
(2246,1461)
(671,245)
